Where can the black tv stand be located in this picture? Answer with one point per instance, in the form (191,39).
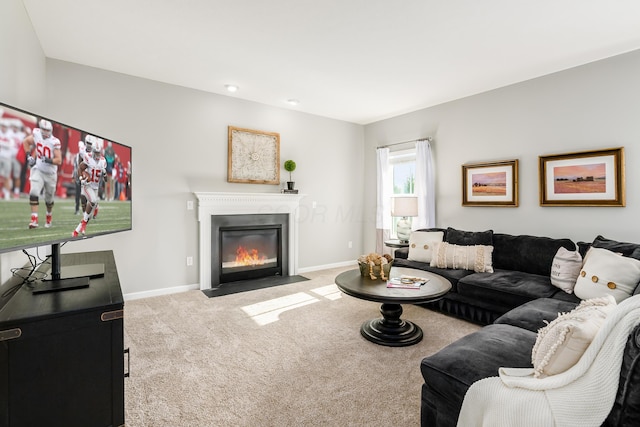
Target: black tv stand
(61,278)
(57,285)
(92,271)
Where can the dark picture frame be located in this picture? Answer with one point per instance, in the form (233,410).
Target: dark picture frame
(585,178)
(490,184)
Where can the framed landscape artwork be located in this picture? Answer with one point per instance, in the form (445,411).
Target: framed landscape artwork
(254,156)
(587,178)
(490,184)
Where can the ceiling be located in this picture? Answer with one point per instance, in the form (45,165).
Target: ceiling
(353,60)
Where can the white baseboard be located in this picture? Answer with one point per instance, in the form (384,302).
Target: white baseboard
(185,288)
(328,266)
(158,292)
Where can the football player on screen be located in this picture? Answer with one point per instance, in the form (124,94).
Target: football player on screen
(92,172)
(44,156)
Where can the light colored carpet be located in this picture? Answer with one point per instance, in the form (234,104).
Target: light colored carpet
(290,355)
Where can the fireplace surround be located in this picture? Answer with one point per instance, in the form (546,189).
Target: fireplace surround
(241,204)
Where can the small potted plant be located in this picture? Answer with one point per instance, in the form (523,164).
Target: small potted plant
(290,166)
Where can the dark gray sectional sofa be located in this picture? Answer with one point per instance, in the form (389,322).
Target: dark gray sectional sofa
(522,268)
(513,303)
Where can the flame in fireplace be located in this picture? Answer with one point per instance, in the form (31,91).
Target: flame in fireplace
(249,257)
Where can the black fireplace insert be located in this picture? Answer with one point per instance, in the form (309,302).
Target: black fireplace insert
(247,247)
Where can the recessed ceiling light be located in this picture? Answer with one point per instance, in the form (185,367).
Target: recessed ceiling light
(232,88)
(293,101)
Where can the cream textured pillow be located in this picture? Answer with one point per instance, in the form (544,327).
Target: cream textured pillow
(474,257)
(421,244)
(607,273)
(562,342)
(565,269)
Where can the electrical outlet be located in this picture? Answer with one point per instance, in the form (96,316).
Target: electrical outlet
(189,261)
(350,244)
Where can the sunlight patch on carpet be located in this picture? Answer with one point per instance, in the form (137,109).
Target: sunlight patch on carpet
(330,292)
(266,312)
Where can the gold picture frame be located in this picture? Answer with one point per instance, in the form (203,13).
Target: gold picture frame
(253,157)
(586,178)
(490,184)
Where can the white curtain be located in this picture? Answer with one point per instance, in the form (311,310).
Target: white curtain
(425,187)
(383,206)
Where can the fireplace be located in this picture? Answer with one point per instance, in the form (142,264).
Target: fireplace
(244,205)
(248,247)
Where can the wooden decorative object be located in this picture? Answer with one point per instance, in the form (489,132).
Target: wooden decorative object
(254,156)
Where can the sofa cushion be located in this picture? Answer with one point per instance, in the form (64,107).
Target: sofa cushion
(450,372)
(460,237)
(422,243)
(506,288)
(607,273)
(561,343)
(623,248)
(471,257)
(565,268)
(529,254)
(536,314)
(563,296)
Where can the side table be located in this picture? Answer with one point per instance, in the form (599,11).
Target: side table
(396,243)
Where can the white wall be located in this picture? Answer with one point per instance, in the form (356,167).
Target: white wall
(586,108)
(179,140)
(179,146)
(22,81)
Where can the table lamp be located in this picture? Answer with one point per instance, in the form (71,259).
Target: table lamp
(404,207)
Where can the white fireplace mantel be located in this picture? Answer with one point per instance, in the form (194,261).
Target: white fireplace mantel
(244,203)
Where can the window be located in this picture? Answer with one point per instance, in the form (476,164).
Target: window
(403,171)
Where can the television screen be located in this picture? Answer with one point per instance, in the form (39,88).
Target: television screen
(59,183)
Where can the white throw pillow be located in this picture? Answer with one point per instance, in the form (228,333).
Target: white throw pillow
(561,343)
(421,244)
(474,257)
(565,269)
(607,273)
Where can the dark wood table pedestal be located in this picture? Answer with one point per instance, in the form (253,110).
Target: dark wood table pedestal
(391,330)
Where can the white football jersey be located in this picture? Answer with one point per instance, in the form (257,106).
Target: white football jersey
(95,169)
(45,149)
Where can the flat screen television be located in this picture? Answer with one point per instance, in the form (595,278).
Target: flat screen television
(81,179)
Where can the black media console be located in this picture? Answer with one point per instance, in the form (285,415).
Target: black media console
(62,352)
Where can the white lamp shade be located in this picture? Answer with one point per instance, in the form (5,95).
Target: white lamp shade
(404,206)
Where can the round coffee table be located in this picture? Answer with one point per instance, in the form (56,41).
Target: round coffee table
(390,330)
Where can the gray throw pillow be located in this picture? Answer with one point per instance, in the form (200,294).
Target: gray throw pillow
(468,238)
(625,249)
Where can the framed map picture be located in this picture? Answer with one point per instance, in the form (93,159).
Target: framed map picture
(587,178)
(490,184)
(254,156)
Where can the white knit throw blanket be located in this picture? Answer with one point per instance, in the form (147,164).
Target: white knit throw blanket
(581,396)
